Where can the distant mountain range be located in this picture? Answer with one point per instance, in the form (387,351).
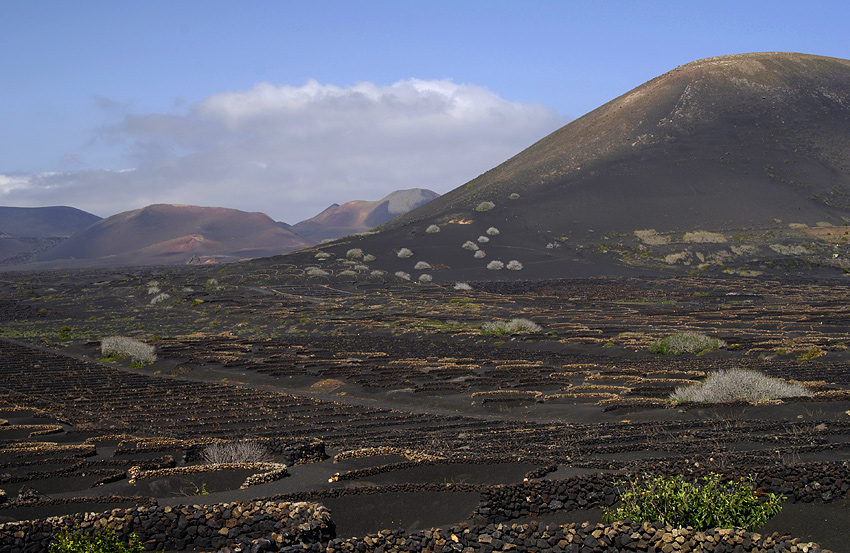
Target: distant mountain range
(57,237)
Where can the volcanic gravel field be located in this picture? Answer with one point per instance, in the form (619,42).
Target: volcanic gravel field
(389,406)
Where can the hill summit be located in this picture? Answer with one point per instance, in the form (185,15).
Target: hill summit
(736,163)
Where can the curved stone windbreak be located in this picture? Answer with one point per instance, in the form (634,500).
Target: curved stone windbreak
(184,527)
(268,472)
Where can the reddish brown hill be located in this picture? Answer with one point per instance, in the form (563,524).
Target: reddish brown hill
(167,234)
(360,216)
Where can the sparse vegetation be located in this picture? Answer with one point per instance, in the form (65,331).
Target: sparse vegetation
(122,346)
(514,326)
(354,253)
(704,237)
(513,196)
(812,353)
(724,386)
(483,239)
(462,286)
(651,237)
(495,265)
(678,503)
(403,275)
(485,206)
(492,231)
(315,271)
(432,229)
(470,245)
(368,258)
(479,254)
(322,255)
(404,253)
(422,265)
(103,541)
(425,278)
(244,451)
(514,265)
(686,342)
(161,297)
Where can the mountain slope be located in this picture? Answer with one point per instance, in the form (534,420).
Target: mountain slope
(360,216)
(44,222)
(27,231)
(165,234)
(717,164)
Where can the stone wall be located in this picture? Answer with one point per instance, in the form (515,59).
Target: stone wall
(620,537)
(184,527)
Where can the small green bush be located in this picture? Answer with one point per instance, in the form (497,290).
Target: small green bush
(103,541)
(673,501)
(485,206)
(686,342)
(724,386)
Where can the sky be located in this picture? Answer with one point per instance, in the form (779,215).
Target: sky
(286,107)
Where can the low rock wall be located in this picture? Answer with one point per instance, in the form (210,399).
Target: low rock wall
(620,537)
(822,482)
(200,528)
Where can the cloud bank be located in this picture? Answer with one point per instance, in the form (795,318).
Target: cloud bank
(291,151)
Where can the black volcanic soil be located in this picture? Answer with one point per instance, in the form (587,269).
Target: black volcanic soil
(256,350)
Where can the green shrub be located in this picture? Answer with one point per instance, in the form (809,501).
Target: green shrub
(485,206)
(103,541)
(673,501)
(724,386)
(685,342)
(514,326)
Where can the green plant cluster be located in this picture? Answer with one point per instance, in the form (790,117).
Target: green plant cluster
(103,541)
(685,342)
(674,501)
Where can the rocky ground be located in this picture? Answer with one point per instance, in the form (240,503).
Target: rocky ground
(390,407)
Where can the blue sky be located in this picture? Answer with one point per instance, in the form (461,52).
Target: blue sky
(285,107)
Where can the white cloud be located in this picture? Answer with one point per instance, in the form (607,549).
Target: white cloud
(291,151)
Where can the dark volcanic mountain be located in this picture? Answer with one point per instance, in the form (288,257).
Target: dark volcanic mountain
(736,163)
(44,222)
(167,234)
(361,216)
(26,231)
